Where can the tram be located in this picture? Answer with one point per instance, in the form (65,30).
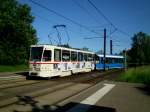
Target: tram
(49,61)
(112,62)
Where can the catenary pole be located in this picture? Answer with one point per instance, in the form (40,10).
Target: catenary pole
(104,49)
(111,46)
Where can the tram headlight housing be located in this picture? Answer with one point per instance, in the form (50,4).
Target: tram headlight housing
(38,69)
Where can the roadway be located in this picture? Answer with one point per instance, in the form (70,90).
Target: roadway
(88,92)
(108,96)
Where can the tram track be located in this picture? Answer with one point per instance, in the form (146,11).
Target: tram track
(48,90)
(77,78)
(92,83)
(37,93)
(17,84)
(90,77)
(73,83)
(21,90)
(10,81)
(110,75)
(59,84)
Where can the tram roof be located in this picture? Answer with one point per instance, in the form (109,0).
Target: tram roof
(61,47)
(111,56)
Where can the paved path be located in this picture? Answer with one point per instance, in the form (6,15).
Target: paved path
(111,97)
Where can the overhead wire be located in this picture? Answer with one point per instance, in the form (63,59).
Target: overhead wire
(78,24)
(44,19)
(102,14)
(85,10)
(67,35)
(62,16)
(123,32)
(92,37)
(115,28)
(48,21)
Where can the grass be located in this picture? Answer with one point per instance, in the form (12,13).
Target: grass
(13,68)
(136,75)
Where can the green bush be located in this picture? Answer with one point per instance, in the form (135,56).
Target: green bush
(137,75)
(13,68)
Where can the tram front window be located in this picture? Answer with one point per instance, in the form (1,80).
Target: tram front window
(47,55)
(36,53)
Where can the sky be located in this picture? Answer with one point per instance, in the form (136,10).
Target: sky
(129,16)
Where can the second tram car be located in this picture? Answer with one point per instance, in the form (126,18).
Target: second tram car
(112,61)
(50,60)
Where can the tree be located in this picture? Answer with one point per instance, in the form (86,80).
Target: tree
(16,32)
(140,50)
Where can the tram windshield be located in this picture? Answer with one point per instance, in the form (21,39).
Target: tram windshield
(47,55)
(36,53)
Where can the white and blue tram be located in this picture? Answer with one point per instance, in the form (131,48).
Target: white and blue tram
(50,60)
(112,61)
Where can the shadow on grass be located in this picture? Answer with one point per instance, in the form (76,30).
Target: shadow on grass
(22,73)
(29,101)
(145,89)
(26,74)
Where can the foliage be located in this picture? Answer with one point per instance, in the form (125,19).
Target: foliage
(15,68)
(140,51)
(137,75)
(16,32)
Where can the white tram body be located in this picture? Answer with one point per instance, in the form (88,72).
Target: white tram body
(50,60)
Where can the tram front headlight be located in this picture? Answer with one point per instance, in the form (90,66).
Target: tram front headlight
(38,69)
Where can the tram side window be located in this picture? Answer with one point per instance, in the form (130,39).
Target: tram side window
(65,55)
(85,57)
(80,56)
(93,57)
(57,55)
(47,55)
(73,56)
(97,59)
(102,60)
(116,60)
(113,60)
(90,57)
(120,60)
(107,60)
